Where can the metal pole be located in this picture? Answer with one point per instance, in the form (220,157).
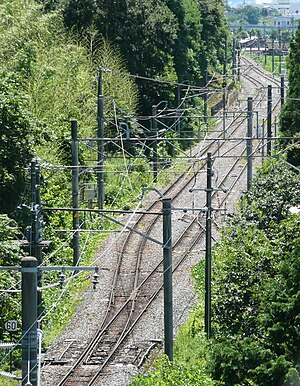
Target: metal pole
(178,124)
(154,143)
(263,141)
(205,97)
(233,58)
(239,64)
(33,203)
(36,224)
(265,44)
(224,124)
(224,88)
(282,90)
(249,142)
(275,133)
(100,135)
(273,53)
(10,353)
(39,236)
(225,58)
(269,120)
(208,248)
(75,191)
(280,58)
(224,75)
(168,300)
(29,321)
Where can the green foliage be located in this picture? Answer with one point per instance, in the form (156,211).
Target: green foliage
(123,187)
(57,73)
(190,351)
(290,114)
(55,78)
(9,255)
(188,367)
(274,191)
(188,44)
(213,35)
(266,62)
(146,47)
(162,40)
(18,133)
(247,14)
(256,286)
(8,382)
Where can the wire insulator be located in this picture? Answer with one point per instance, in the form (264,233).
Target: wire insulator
(95,279)
(62,277)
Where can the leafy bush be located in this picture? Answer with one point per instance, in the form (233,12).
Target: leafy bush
(9,255)
(256,286)
(19,133)
(290,116)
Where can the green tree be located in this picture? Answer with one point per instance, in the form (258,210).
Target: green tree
(9,255)
(18,134)
(290,114)
(251,14)
(188,45)
(143,30)
(174,39)
(256,286)
(246,15)
(213,34)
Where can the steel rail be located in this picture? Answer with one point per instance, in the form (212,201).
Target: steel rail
(93,344)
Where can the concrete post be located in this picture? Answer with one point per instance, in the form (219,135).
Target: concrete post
(209,190)
(249,142)
(29,321)
(154,143)
(100,136)
(75,191)
(269,121)
(282,96)
(168,297)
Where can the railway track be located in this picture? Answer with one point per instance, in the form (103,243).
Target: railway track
(137,281)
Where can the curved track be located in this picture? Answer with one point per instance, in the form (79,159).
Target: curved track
(139,270)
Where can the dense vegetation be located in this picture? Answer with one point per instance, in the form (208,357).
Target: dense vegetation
(18,133)
(290,115)
(51,52)
(170,40)
(255,296)
(256,333)
(247,14)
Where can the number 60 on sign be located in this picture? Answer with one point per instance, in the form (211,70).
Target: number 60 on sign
(11,325)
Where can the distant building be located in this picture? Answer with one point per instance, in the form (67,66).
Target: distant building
(286,21)
(283,6)
(283,22)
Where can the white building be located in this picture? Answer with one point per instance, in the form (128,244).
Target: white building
(283,6)
(291,7)
(283,22)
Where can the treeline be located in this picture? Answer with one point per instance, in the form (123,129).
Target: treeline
(175,40)
(248,14)
(290,114)
(51,54)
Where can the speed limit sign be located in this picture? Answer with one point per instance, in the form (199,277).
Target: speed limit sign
(11,325)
